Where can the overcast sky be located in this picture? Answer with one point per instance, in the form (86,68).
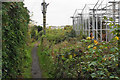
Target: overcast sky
(58,11)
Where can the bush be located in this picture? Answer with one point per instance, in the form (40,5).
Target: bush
(94,61)
(15,19)
(36,32)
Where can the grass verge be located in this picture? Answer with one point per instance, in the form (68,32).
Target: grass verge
(46,63)
(28,62)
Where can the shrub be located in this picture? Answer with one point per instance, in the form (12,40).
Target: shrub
(15,19)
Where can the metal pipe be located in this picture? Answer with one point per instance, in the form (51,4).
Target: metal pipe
(96,4)
(83,8)
(96,26)
(89,24)
(101,26)
(119,12)
(77,25)
(93,23)
(114,13)
(74,12)
(100,4)
(106,26)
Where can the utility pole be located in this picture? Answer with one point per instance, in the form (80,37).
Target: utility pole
(44,9)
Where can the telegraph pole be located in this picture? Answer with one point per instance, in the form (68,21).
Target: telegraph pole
(44,9)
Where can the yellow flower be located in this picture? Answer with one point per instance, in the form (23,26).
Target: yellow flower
(105,59)
(109,58)
(95,41)
(117,38)
(74,55)
(116,64)
(105,47)
(94,47)
(62,56)
(88,38)
(70,56)
(93,37)
(89,46)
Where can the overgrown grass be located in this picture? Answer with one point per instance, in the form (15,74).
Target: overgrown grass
(28,63)
(46,63)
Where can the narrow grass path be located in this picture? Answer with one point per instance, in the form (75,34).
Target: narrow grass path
(36,72)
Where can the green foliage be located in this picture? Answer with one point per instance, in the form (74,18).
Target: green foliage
(59,35)
(71,34)
(27,63)
(52,37)
(87,59)
(55,35)
(36,32)
(46,63)
(39,28)
(15,19)
(99,61)
(115,28)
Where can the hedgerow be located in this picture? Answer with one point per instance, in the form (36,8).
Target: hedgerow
(15,19)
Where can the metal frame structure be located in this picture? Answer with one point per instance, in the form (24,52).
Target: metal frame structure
(90,21)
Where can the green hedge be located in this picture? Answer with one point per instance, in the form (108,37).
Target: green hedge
(15,19)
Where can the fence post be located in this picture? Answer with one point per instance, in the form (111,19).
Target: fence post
(93,23)
(96,25)
(119,34)
(73,22)
(119,11)
(85,26)
(81,24)
(89,24)
(114,13)
(106,26)
(101,23)
(77,25)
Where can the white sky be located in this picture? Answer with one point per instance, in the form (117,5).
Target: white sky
(58,11)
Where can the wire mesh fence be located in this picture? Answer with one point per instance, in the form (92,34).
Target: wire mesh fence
(90,21)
